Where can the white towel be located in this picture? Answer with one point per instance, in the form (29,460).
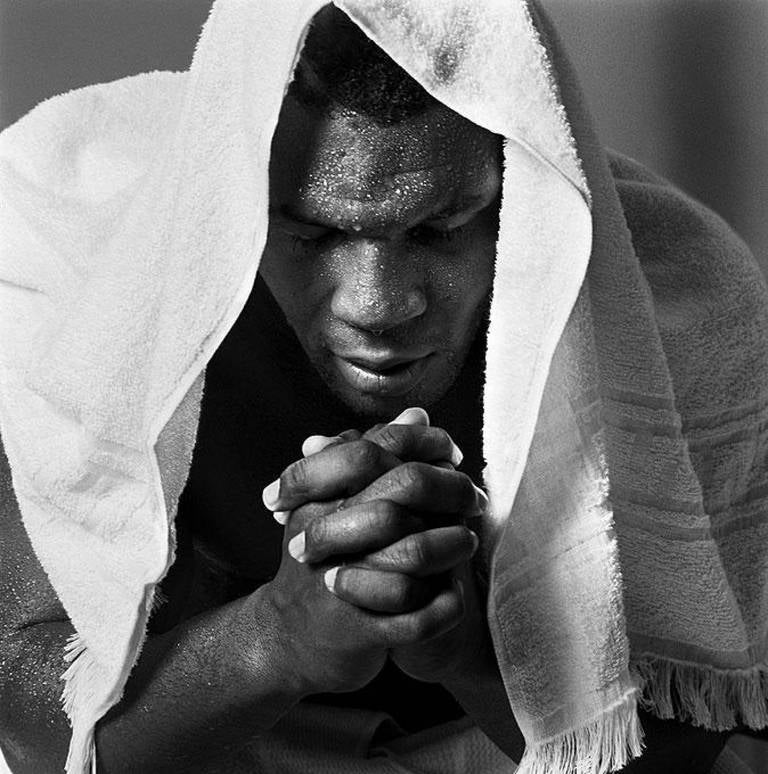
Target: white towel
(135,216)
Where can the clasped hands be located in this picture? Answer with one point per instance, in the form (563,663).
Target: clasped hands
(376,557)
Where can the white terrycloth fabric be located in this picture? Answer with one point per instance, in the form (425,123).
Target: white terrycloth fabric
(134,217)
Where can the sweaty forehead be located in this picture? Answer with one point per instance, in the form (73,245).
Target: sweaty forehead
(346,166)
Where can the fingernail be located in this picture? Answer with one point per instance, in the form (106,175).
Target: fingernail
(482,500)
(281,517)
(316,443)
(475,542)
(456,455)
(297,546)
(412,416)
(271,494)
(459,584)
(330,578)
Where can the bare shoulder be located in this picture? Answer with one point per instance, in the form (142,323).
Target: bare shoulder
(26,595)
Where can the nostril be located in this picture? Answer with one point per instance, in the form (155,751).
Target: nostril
(377,310)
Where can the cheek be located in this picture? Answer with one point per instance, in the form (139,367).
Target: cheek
(466,280)
(461,286)
(298,286)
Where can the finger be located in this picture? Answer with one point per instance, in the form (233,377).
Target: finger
(417,443)
(437,617)
(361,529)
(281,517)
(350,435)
(412,416)
(381,592)
(425,488)
(336,471)
(371,433)
(431,552)
(304,515)
(316,443)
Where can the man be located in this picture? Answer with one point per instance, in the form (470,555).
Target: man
(371,306)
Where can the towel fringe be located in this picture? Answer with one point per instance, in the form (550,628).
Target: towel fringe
(80,703)
(717,699)
(602,746)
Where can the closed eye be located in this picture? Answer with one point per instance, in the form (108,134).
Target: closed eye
(426,234)
(311,236)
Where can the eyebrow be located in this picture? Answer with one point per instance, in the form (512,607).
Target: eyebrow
(464,203)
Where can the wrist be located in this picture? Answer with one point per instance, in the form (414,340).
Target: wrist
(270,647)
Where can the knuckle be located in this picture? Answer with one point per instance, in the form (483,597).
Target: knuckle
(390,437)
(374,431)
(386,513)
(414,476)
(363,454)
(442,439)
(294,477)
(403,593)
(421,626)
(316,533)
(300,518)
(415,551)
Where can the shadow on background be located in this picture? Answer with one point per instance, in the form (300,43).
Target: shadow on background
(682,86)
(51,46)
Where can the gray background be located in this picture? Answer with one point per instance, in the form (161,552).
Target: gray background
(681,85)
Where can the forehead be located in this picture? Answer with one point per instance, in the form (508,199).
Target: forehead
(349,167)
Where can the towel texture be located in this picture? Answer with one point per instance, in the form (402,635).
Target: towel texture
(626,398)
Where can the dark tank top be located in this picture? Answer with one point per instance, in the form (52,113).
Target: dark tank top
(262,398)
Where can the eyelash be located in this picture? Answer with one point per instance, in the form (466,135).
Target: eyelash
(298,242)
(427,234)
(423,234)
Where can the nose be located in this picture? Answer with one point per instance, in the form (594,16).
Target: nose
(378,287)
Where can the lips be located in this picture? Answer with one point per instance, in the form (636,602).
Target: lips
(381,365)
(384,375)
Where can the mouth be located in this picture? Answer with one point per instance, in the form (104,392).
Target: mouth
(390,377)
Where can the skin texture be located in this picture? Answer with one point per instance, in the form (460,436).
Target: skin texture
(382,242)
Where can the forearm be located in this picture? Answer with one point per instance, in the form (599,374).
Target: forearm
(197,694)
(200,692)
(35,730)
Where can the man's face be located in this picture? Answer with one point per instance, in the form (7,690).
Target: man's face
(381,249)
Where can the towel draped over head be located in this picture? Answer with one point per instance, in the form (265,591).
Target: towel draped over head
(625,407)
